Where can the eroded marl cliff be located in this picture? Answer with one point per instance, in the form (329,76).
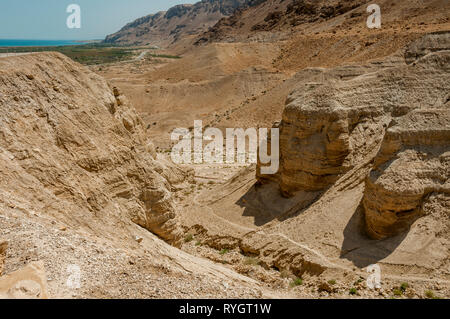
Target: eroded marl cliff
(68,142)
(411,176)
(331,126)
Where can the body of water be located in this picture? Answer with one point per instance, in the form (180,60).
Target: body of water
(37,43)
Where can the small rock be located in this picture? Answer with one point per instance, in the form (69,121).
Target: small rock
(138,239)
(325,287)
(3,248)
(116,92)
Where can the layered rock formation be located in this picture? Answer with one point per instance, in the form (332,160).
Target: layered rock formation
(274,16)
(332,126)
(70,143)
(167,27)
(411,175)
(317,136)
(412,167)
(83,192)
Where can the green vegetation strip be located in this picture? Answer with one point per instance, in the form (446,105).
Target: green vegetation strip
(166,56)
(87,54)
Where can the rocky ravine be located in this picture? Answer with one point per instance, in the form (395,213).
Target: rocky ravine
(64,129)
(392,126)
(81,187)
(271,19)
(364,154)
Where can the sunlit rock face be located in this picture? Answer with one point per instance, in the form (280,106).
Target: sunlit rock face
(396,120)
(72,144)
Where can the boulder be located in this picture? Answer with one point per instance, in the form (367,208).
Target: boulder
(29,282)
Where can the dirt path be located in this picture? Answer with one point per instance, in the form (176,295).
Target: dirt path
(142,55)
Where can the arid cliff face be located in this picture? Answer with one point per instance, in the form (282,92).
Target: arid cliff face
(71,143)
(332,126)
(266,18)
(411,174)
(84,192)
(179,22)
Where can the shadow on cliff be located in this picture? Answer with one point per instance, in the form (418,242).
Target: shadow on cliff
(360,249)
(266,204)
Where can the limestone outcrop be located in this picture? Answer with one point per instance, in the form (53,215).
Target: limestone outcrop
(329,127)
(411,174)
(70,143)
(396,119)
(433,42)
(411,169)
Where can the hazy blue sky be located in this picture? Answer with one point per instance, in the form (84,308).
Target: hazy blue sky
(46,19)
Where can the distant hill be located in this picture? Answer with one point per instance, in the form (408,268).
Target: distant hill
(273,20)
(272,16)
(185,20)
